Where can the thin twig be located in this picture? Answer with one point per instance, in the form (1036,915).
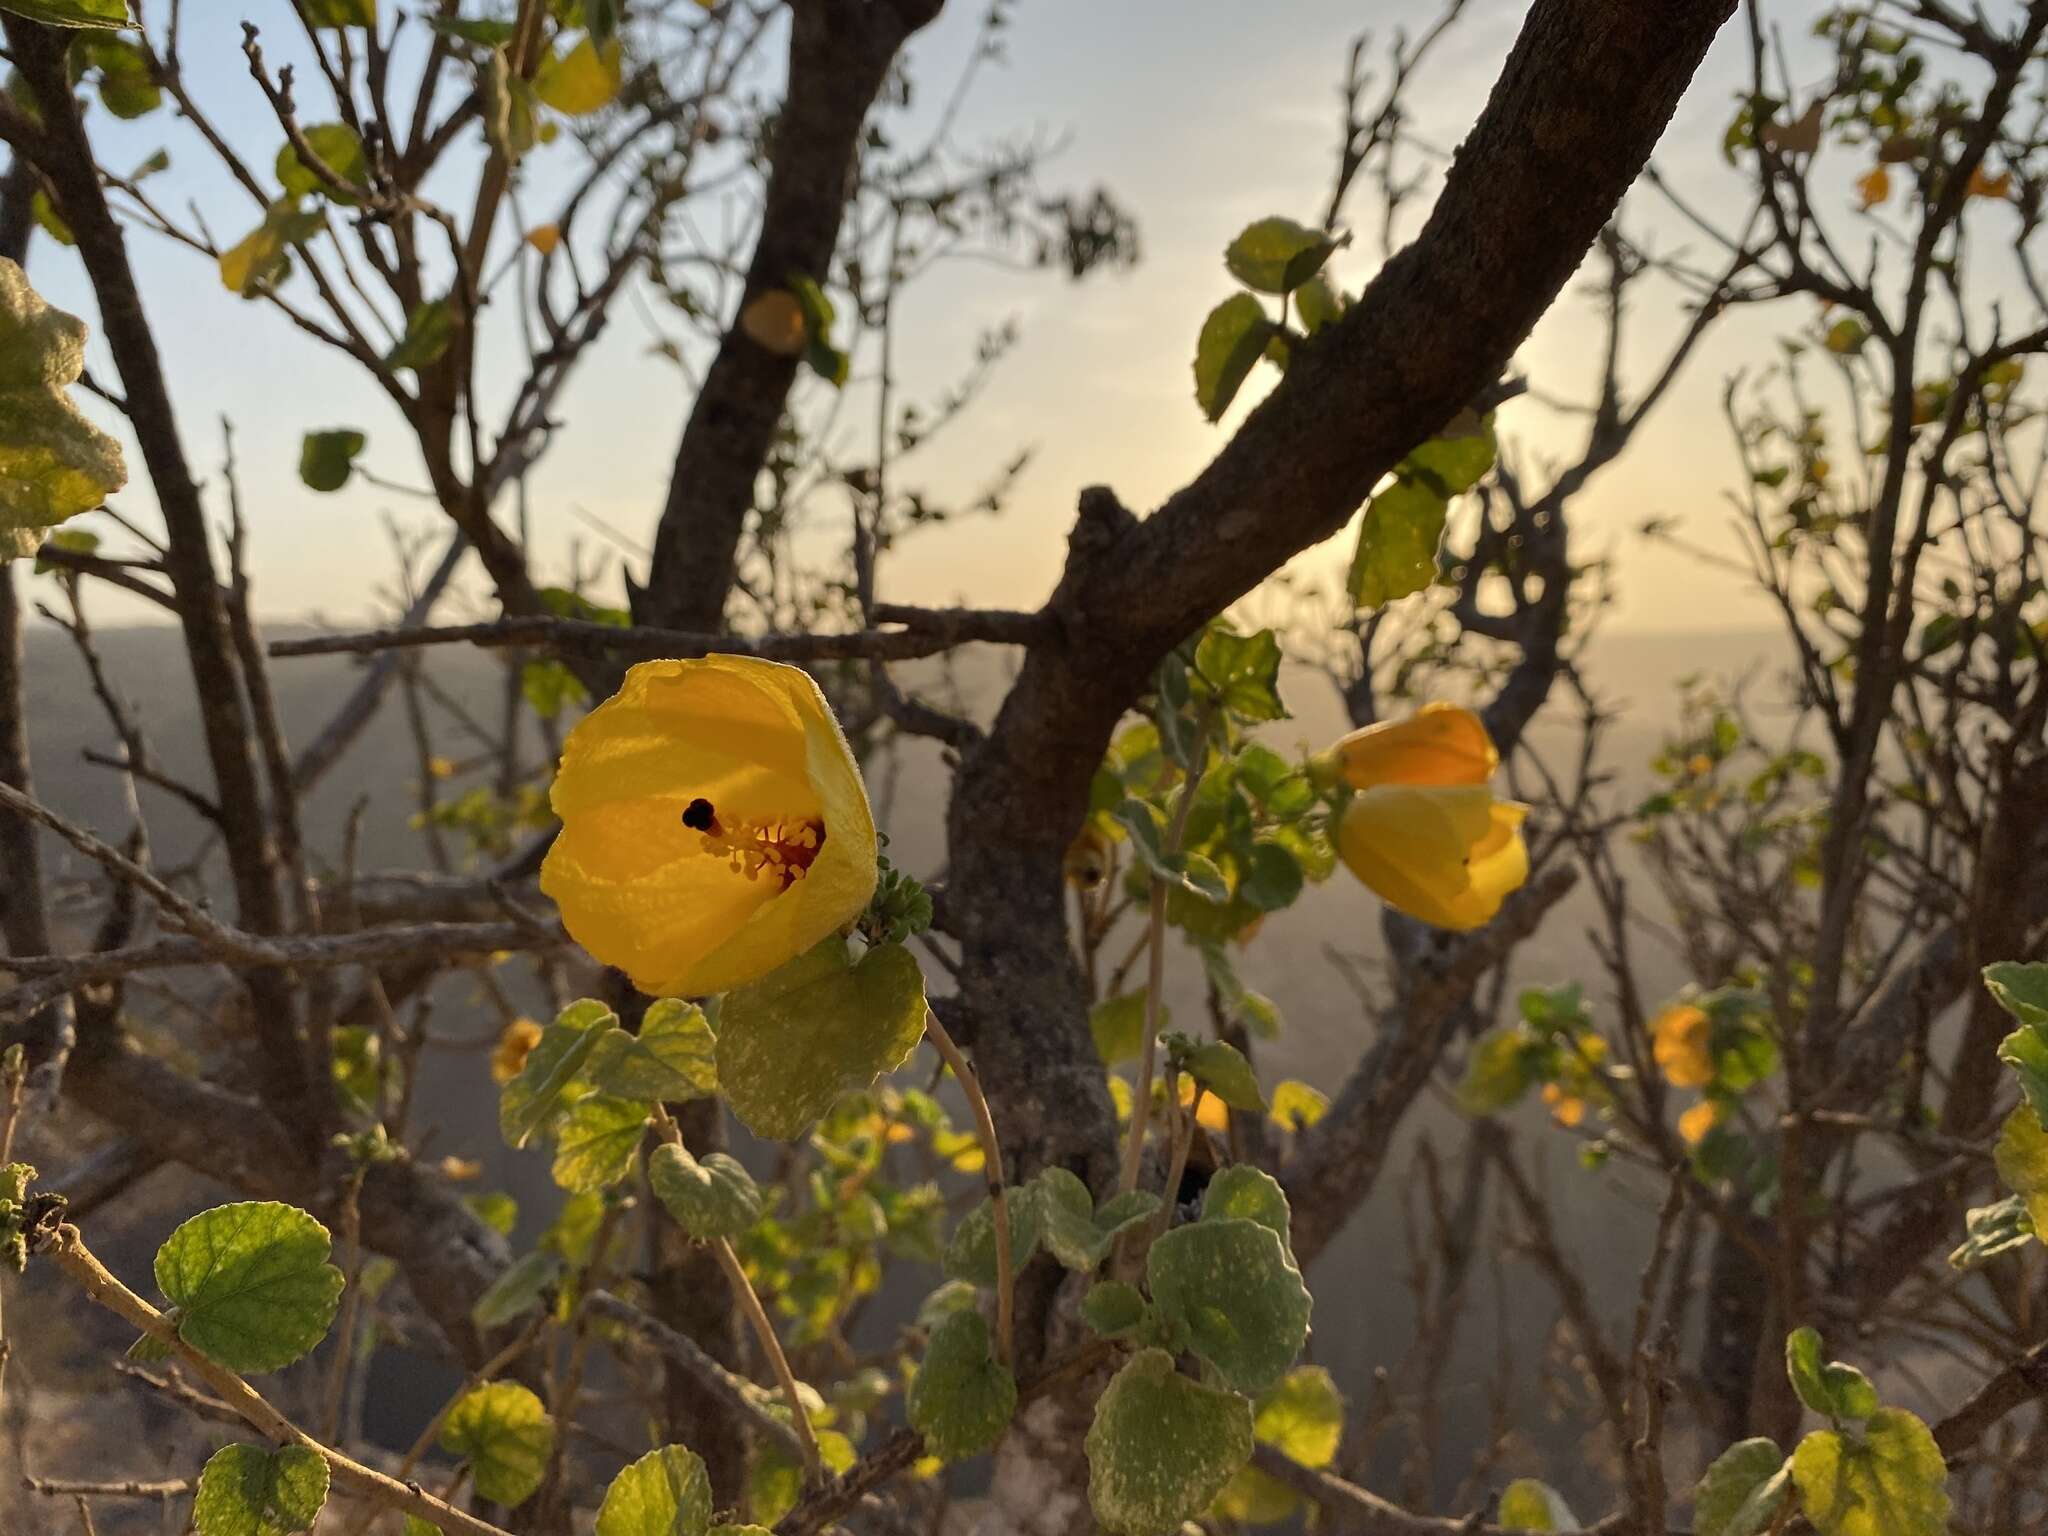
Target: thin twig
(992,1168)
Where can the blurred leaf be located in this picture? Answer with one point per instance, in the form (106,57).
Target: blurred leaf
(1277,255)
(428,331)
(327,459)
(54,462)
(1397,543)
(1741,1492)
(503,1432)
(580,81)
(1232,340)
(339,149)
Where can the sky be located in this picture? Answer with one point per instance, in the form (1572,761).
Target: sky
(1199,116)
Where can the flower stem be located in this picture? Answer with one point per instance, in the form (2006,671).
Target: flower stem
(992,1169)
(764,1330)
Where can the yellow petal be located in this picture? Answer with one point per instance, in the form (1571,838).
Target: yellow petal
(1439,744)
(638,888)
(509,1054)
(1444,854)
(1874,187)
(1694,1124)
(544,238)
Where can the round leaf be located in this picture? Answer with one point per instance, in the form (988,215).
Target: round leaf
(1230,1290)
(1277,255)
(249,1490)
(251,1283)
(792,1043)
(1890,1481)
(711,1197)
(961,1400)
(327,459)
(1233,338)
(505,1434)
(594,1147)
(1740,1493)
(1242,1192)
(665,1493)
(1162,1447)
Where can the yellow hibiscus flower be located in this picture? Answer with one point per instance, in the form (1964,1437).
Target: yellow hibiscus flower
(1422,829)
(714,826)
(1679,1040)
(508,1056)
(1694,1124)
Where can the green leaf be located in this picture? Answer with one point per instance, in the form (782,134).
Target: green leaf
(1233,338)
(1497,1072)
(1740,1493)
(792,1043)
(342,13)
(1847,335)
(503,1432)
(1229,1288)
(1303,1415)
(250,1490)
(51,222)
(327,459)
(1397,543)
(1240,672)
(1277,255)
(70,13)
(971,1255)
(1244,1193)
(339,149)
(1113,1308)
(1162,1447)
(251,1283)
(1837,1390)
(1221,1068)
(670,1060)
(665,1493)
(127,88)
(1992,1230)
(580,81)
(595,1143)
(1118,1027)
(1529,1505)
(1454,461)
(530,1099)
(518,1290)
(1890,1481)
(428,331)
(1070,1227)
(2022,1159)
(2025,1050)
(961,1400)
(1190,872)
(263,256)
(1317,303)
(53,461)
(548,685)
(2021,990)
(709,1197)
(1270,880)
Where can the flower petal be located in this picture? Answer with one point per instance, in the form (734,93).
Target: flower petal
(1410,844)
(1439,744)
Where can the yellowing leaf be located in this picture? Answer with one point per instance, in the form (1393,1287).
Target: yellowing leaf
(1873,187)
(1801,136)
(1890,1481)
(544,238)
(1984,184)
(580,81)
(53,461)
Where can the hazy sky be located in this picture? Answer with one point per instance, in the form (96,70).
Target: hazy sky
(1199,114)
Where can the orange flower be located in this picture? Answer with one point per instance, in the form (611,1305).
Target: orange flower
(1423,831)
(1568,1109)
(509,1054)
(1680,1041)
(1694,1124)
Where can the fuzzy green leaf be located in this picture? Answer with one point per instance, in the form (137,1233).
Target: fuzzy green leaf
(1740,1493)
(1889,1481)
(251,1490)
(712,1196)
(665,1493)
(531,1099)
(251,1283)
(1397,543)
(791,1044)
(673,1058)
(961,1400)
(505,1434)
(595,1144)
(1229,1288)
(1837,1390)
(1277,255)
(1162,1447)
(327,459)
(1242,1192)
